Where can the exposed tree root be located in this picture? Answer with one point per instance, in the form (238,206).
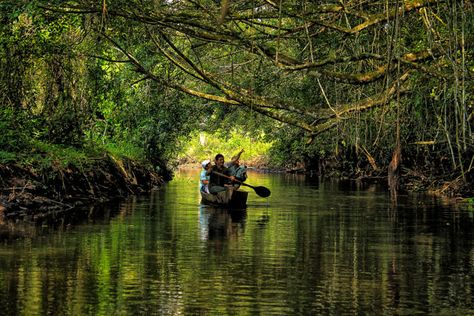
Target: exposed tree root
(409,179)
(24,193)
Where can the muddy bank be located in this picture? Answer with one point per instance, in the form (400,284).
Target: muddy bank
(411,177)
(437,181)
(27,193)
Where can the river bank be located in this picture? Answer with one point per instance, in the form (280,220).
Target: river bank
(27,193)
(410,179)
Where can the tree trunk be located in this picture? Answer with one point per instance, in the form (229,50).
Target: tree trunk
(394,169)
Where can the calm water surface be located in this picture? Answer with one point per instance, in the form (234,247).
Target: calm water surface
(312,248)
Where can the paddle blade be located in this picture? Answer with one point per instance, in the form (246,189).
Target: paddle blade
(262,191)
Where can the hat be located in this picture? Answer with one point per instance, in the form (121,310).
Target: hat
(205,163)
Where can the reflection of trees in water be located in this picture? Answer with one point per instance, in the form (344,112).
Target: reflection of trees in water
(36,225)
(217,223)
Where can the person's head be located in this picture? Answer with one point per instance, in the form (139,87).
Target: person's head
(219,160)
(206,164)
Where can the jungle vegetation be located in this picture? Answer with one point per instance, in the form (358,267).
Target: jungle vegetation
(367,87)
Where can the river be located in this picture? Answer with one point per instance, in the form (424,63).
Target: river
(312,248)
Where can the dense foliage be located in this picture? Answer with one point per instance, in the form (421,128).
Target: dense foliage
(355,81)
(59,88)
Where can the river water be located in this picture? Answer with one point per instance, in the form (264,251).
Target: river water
(312,248)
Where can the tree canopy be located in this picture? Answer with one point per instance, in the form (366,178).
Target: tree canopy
(242,53)
(374,74)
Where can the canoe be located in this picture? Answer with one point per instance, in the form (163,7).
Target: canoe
(230,198)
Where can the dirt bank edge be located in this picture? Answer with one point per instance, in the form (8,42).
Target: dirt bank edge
(29,191)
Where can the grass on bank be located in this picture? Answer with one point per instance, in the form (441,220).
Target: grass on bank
(43,156)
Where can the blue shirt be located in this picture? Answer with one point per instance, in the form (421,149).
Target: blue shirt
(204,176)
(240,172)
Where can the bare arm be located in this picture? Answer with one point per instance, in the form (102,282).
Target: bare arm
(237,157)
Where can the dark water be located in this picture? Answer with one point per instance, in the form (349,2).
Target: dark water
(312,248)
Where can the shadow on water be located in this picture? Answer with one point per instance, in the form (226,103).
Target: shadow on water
(43,224)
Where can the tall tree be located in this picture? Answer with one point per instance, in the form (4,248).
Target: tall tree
(313,65)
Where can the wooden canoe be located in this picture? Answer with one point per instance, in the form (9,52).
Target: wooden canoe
(230,198)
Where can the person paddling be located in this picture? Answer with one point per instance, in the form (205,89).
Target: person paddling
(218,183)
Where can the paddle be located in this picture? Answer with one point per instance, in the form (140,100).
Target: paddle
(261,191)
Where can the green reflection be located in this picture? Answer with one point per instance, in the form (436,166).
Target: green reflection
(312,248)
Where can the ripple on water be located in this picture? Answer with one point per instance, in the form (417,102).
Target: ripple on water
(311,249)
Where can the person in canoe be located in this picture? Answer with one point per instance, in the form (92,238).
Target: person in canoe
(205,175)
(236,169)
(218,183)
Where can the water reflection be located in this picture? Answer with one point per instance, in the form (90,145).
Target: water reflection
(314,247)
(221,223)
(35,226)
